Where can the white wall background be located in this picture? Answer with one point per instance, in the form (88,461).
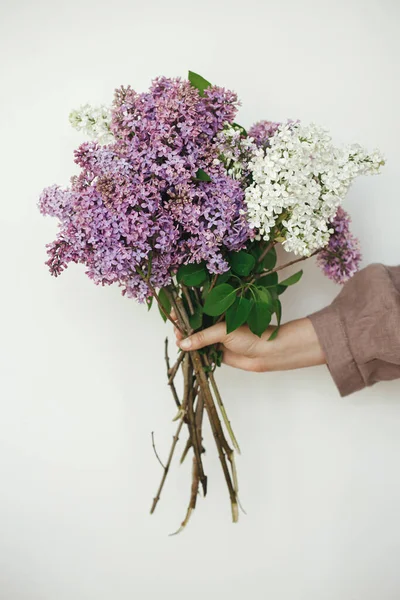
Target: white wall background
(82,372)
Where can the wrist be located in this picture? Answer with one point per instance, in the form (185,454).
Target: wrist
(295,347)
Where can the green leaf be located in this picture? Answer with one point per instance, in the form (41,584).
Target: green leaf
(149,302)
(273,334)
(219,299)
(237,314)
(274,292)
(242,129)
(205,289)
(275,306)
(259,318)
(280,289)
(278,316)
(165,303)
(192,275)
(242,262)
(198,82)
(215,356)
(196,319)
(263,295)
(268,281)
(292,279)
(268,262)
(279,311)
(202,175)
(223,278)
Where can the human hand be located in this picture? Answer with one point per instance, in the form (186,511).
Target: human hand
(295,346)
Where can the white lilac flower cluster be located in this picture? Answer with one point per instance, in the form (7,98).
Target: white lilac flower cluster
(94,121)
(236,151)
(299,182)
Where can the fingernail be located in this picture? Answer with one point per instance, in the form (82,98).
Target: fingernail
(185,344)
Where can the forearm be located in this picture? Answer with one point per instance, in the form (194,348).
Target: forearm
(296,346)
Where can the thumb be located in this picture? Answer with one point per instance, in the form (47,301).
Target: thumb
(212,335)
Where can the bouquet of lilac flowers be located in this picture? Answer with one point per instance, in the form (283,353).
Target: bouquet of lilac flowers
(181,207)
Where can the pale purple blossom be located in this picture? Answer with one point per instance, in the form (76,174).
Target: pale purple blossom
(341,258)
(262,131)
(136,201)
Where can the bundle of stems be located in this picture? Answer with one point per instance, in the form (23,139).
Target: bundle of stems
(200,394)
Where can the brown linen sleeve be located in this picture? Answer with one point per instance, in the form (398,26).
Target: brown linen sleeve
(360,331)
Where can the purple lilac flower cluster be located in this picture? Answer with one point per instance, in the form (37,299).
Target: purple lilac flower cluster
(136,209)
(262,131)
(341,258)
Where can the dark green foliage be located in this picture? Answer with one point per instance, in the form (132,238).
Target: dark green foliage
(219,299)
(292,279)
(198,82)
(192,275)
(242,263)
(165,303)
(268,281)
(202,175)
(238,313)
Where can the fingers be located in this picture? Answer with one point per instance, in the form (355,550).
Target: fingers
(238,361)
(178,335)
(212,335)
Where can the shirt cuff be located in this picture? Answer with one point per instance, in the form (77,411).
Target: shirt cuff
(332,336)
